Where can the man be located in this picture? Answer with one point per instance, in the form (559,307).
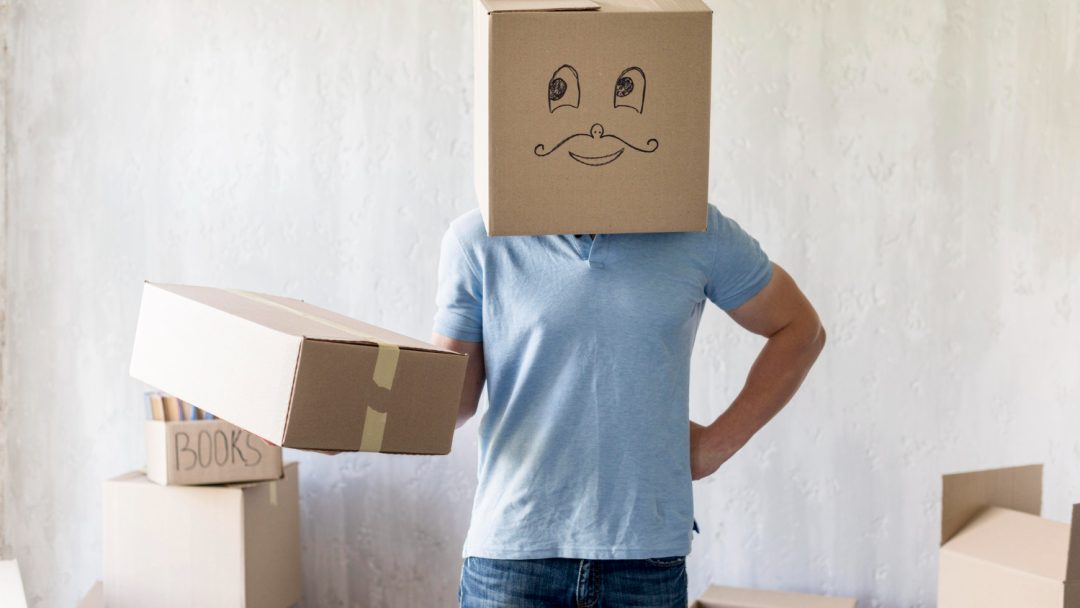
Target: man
(586,449)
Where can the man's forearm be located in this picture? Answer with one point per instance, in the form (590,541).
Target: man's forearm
(474,373)
(474,381)
(774,378)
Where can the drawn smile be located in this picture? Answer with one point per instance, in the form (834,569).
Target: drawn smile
(599,146)
(596,161)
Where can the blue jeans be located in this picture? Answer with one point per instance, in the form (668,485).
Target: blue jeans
(573,583)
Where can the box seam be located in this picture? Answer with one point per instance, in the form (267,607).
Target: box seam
(488,173)
(972,558)
(418,349)
(242,504)
(292,394)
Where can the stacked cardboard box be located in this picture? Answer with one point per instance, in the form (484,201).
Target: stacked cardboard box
(227,546)
(732,597)
(184,533)
(997,552)
(282,373)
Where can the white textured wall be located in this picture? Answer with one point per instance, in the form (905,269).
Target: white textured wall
(913,163)
(4,31)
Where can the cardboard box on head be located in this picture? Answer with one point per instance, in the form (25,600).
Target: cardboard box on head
(592,117)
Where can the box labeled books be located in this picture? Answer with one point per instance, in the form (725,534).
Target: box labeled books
(199,452)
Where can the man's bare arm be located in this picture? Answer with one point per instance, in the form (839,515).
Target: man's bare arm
(474,373)
(781,313)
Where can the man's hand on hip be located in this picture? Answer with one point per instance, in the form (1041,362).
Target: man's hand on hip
(783,315)
(707,451)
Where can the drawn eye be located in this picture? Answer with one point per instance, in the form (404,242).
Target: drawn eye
(630,89)
(556,89)
(563,88)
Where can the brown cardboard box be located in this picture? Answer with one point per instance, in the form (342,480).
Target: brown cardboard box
(731,597)
(207,546)
(295,374)
(569,139)
(996,552)
(200,452)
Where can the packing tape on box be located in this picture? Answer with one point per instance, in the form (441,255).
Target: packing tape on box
(374,426)
(383,375)
(273,493)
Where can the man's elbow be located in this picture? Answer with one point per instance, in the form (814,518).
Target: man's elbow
(818,338)
(808,332)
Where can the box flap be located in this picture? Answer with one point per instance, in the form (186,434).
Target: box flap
(1073,573)
(964,495)
(731,597)
(1015,540)
(291,316)
(512,6)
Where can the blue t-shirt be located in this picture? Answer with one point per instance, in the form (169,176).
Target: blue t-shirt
(584,445)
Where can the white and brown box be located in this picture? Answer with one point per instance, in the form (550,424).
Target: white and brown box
(201,452)
(592,116)
(996,550)
(717,596)
(295,374)
(229,546)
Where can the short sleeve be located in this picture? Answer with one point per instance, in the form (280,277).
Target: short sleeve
(459,310)
(739,269)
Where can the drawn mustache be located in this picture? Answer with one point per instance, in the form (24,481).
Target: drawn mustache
(650,146)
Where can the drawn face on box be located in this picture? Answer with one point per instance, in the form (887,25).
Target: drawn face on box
(595,147)
(593,120)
